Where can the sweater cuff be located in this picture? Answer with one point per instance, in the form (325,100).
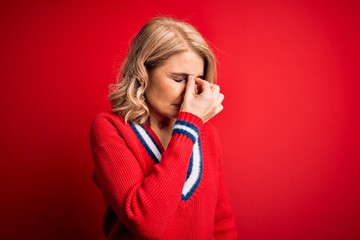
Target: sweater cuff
(189,125)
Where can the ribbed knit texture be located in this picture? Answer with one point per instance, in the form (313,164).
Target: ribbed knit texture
(143,198)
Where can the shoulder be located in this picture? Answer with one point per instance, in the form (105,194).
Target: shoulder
(107,116)
(106,120)
(107,127)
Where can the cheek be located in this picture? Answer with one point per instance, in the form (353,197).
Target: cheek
(153,90)
(163,94)
(177,91)
(156,95)
(183,89)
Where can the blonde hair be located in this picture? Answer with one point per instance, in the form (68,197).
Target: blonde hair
(158,40)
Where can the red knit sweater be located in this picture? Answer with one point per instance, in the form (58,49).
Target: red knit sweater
(153,193)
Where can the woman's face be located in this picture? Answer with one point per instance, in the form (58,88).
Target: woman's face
(164,94)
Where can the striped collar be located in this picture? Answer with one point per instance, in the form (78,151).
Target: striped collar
(153,147)
(148,139)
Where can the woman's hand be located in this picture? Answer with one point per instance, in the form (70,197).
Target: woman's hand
(202,98)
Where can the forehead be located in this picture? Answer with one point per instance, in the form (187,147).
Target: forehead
(185,62)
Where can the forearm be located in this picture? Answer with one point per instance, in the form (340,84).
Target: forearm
(145,204)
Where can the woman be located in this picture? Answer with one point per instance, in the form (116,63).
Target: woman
(158,162)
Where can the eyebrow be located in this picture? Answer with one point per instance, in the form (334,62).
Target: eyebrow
(184,75)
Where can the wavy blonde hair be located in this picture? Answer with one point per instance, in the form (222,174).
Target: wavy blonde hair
(159,39)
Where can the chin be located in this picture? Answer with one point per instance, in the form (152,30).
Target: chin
(173,114)
(170,111)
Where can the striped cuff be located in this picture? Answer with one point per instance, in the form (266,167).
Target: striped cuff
(188,125)
(191,118)
(187,129)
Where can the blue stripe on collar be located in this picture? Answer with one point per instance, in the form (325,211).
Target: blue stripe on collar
(195,169)
(148,142)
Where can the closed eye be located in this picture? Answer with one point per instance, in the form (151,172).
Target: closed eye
(178,80)
(178,77)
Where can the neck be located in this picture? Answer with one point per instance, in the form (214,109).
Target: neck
(162,127)
(162,124)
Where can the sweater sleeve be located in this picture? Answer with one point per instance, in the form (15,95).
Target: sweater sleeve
(225,226)
(145,205)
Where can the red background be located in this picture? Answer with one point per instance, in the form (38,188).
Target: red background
(290,129)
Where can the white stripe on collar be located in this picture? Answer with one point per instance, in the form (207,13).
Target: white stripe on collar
(148,142)
(195,168)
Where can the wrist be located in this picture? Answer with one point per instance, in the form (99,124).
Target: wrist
(190,118)
(188,125)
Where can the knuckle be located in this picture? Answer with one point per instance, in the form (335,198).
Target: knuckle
(208,97)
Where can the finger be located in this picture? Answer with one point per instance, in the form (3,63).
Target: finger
(220,99)
(212,85)
(219,109)
(215,88)
(190,85)
(204,85)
